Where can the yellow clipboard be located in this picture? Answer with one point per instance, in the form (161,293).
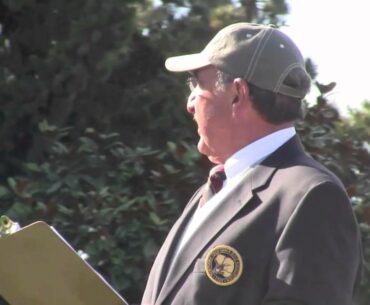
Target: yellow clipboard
(38,267)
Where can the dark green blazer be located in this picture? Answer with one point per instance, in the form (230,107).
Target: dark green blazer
(292,224)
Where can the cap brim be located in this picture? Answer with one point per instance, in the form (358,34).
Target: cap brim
(187,62)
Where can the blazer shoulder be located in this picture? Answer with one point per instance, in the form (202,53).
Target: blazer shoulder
(296,165)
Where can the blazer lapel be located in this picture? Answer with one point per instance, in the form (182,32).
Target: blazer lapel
(230,206)
(163,259)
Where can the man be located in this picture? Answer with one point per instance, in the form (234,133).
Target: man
(281,230)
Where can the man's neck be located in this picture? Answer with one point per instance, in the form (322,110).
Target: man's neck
(254,134)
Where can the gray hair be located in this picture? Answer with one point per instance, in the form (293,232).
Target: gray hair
(223,78)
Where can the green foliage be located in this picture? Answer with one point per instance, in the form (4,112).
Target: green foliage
(79,64)
(112,202)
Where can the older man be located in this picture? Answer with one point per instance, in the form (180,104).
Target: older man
(279,229)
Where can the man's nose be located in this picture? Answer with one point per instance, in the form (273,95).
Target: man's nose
(190,105)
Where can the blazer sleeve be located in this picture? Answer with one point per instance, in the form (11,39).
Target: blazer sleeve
(317,257)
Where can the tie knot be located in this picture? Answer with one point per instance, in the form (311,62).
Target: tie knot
(217,177)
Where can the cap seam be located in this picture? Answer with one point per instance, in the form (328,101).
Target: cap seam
(284,74)
(257,53)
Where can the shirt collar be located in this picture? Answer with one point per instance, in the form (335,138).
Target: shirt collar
(255,152)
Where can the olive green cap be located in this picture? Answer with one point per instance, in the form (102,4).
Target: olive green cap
(260,54)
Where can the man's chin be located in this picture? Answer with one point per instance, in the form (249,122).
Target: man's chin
(204,150)
(214,160)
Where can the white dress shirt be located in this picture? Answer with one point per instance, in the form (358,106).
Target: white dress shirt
(235,169)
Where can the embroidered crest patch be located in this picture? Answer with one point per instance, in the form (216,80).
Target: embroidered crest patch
(223,265)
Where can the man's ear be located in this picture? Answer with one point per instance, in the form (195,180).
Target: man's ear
(241,90)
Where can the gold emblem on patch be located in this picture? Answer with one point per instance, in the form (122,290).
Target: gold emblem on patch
(223,265)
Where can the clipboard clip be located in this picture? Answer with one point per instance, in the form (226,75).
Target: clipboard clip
(7,226)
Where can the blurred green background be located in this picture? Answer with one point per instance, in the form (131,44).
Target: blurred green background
(95,139)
